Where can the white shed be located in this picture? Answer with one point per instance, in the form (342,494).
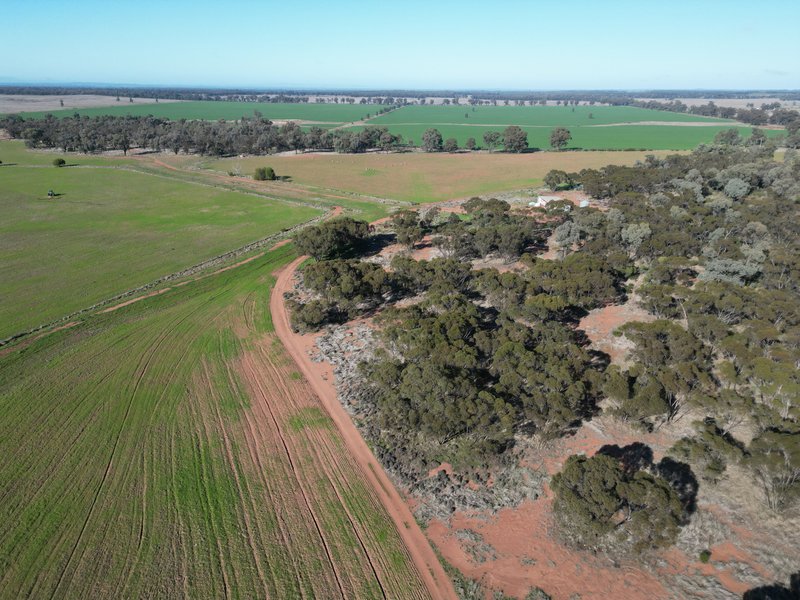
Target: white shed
(542,201)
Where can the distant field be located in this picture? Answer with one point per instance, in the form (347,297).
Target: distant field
(170,450)
(109,231)
(541,116)
(229,111)
(622,137)
(419,177)
(15,103)
(610,128)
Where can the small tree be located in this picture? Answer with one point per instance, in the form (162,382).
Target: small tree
(737,188)
(408,228)
(59,162)
(450,145)
(515,139)
(491,139)
(470,145)
(560,137)
(432,140)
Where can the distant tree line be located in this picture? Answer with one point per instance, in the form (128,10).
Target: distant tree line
(766,114)
(612,97)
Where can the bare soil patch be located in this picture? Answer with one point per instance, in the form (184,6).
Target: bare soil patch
(13,103)
(600,324)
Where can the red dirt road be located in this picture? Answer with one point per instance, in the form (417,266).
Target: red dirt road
(420,549)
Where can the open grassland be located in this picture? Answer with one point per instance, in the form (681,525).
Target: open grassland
(216,172)
(229,111)
(539,116)
(419,177)
(169,449)
(612,137)
(110,230)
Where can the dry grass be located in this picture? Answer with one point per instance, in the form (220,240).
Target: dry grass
(419,177)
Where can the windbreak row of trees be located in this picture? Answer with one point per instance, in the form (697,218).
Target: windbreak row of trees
(246,136)
(220,138)
(512,139)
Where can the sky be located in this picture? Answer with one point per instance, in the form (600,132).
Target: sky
(433,44)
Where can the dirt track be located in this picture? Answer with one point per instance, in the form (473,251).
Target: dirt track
(420,549)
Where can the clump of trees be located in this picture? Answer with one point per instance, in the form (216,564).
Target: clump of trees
(468,380)
(337,238)
(619,499)
(557,179)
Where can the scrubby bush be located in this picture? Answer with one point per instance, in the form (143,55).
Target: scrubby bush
(59,162)
(264,174)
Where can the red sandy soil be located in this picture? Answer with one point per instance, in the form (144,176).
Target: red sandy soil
(318,375)
(600,323)
(528,555)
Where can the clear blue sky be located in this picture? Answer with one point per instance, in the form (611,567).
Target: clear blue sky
(434,44)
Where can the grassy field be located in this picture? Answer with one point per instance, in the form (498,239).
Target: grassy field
(418,177)
(229,111)
(110,230)
(168,449)
(539,116)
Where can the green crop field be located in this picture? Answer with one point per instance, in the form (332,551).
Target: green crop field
(539,116)
(110,230)
(609,128)
(168,449)
(617,137)
(229,111)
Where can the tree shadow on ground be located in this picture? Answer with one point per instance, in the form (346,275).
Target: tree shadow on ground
(633,457)
(638,456)
(776,591)
(682,480)
(375,243)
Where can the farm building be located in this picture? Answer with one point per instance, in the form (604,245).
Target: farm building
(542,201)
